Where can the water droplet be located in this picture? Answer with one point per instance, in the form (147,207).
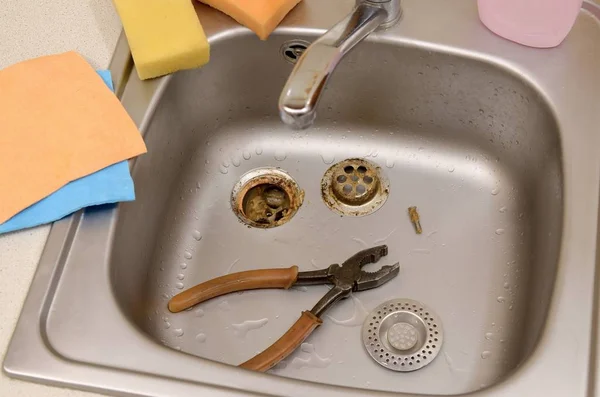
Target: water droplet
(495,191)
(179,285)
(178,348)
(183,266)
(499,232)
(451,169)
(328,158)
(390,163)
(246,154)
(375,153)
(486,354)
(506,285)
(167,325)
(178,332)
(489,336)
(280,155)
(481,111)
(181,276)
(223,170)
(501,299)
(358,317)
(313,360)
(197,235)
(242,329)
(198,185)
(187,255)
(232,265)
(165,296)
(201,338)
(510,307)
(236,161)
(225,163)
(258,150)
(503,209)
(199,312)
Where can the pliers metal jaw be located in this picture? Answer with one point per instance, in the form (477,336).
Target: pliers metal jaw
(345,278)
(349,277)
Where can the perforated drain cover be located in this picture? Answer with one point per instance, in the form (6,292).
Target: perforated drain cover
(403,335)
(354,187)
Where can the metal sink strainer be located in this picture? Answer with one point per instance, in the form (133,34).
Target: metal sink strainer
(402,335)
(354,187)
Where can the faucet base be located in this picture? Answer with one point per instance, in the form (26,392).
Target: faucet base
(392,7)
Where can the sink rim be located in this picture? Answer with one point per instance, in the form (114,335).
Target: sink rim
(38,352)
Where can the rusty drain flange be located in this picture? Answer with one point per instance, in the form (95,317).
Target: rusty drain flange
(266,197)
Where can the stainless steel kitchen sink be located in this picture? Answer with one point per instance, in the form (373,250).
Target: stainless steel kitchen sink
(495,143)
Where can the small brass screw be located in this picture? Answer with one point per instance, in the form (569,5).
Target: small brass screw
(414,218)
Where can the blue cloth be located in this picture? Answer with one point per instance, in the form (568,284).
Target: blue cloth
(109,185)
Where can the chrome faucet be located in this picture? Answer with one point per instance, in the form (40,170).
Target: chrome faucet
(298,101)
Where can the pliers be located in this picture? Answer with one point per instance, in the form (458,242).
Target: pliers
(346,278)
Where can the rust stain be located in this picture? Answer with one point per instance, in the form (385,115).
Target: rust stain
(267,201)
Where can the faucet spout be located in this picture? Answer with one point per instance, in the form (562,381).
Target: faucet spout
(300,96)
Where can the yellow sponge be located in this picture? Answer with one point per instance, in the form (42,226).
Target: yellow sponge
(164,35)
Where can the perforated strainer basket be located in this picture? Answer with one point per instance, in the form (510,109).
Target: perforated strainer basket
(402,335)
(354,187)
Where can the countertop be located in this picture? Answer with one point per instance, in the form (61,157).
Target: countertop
(30,29)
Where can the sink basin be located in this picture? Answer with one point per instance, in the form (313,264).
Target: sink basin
(475,147)
(494,143)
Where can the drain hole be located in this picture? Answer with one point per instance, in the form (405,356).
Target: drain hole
(341,178)
(362,169)
(266,198)
(360,189)
(293,50)
(266,204)
(349,169)
(368,180)
(348,190)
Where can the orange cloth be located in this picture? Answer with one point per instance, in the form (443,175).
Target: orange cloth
(58,122)
(260,16)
